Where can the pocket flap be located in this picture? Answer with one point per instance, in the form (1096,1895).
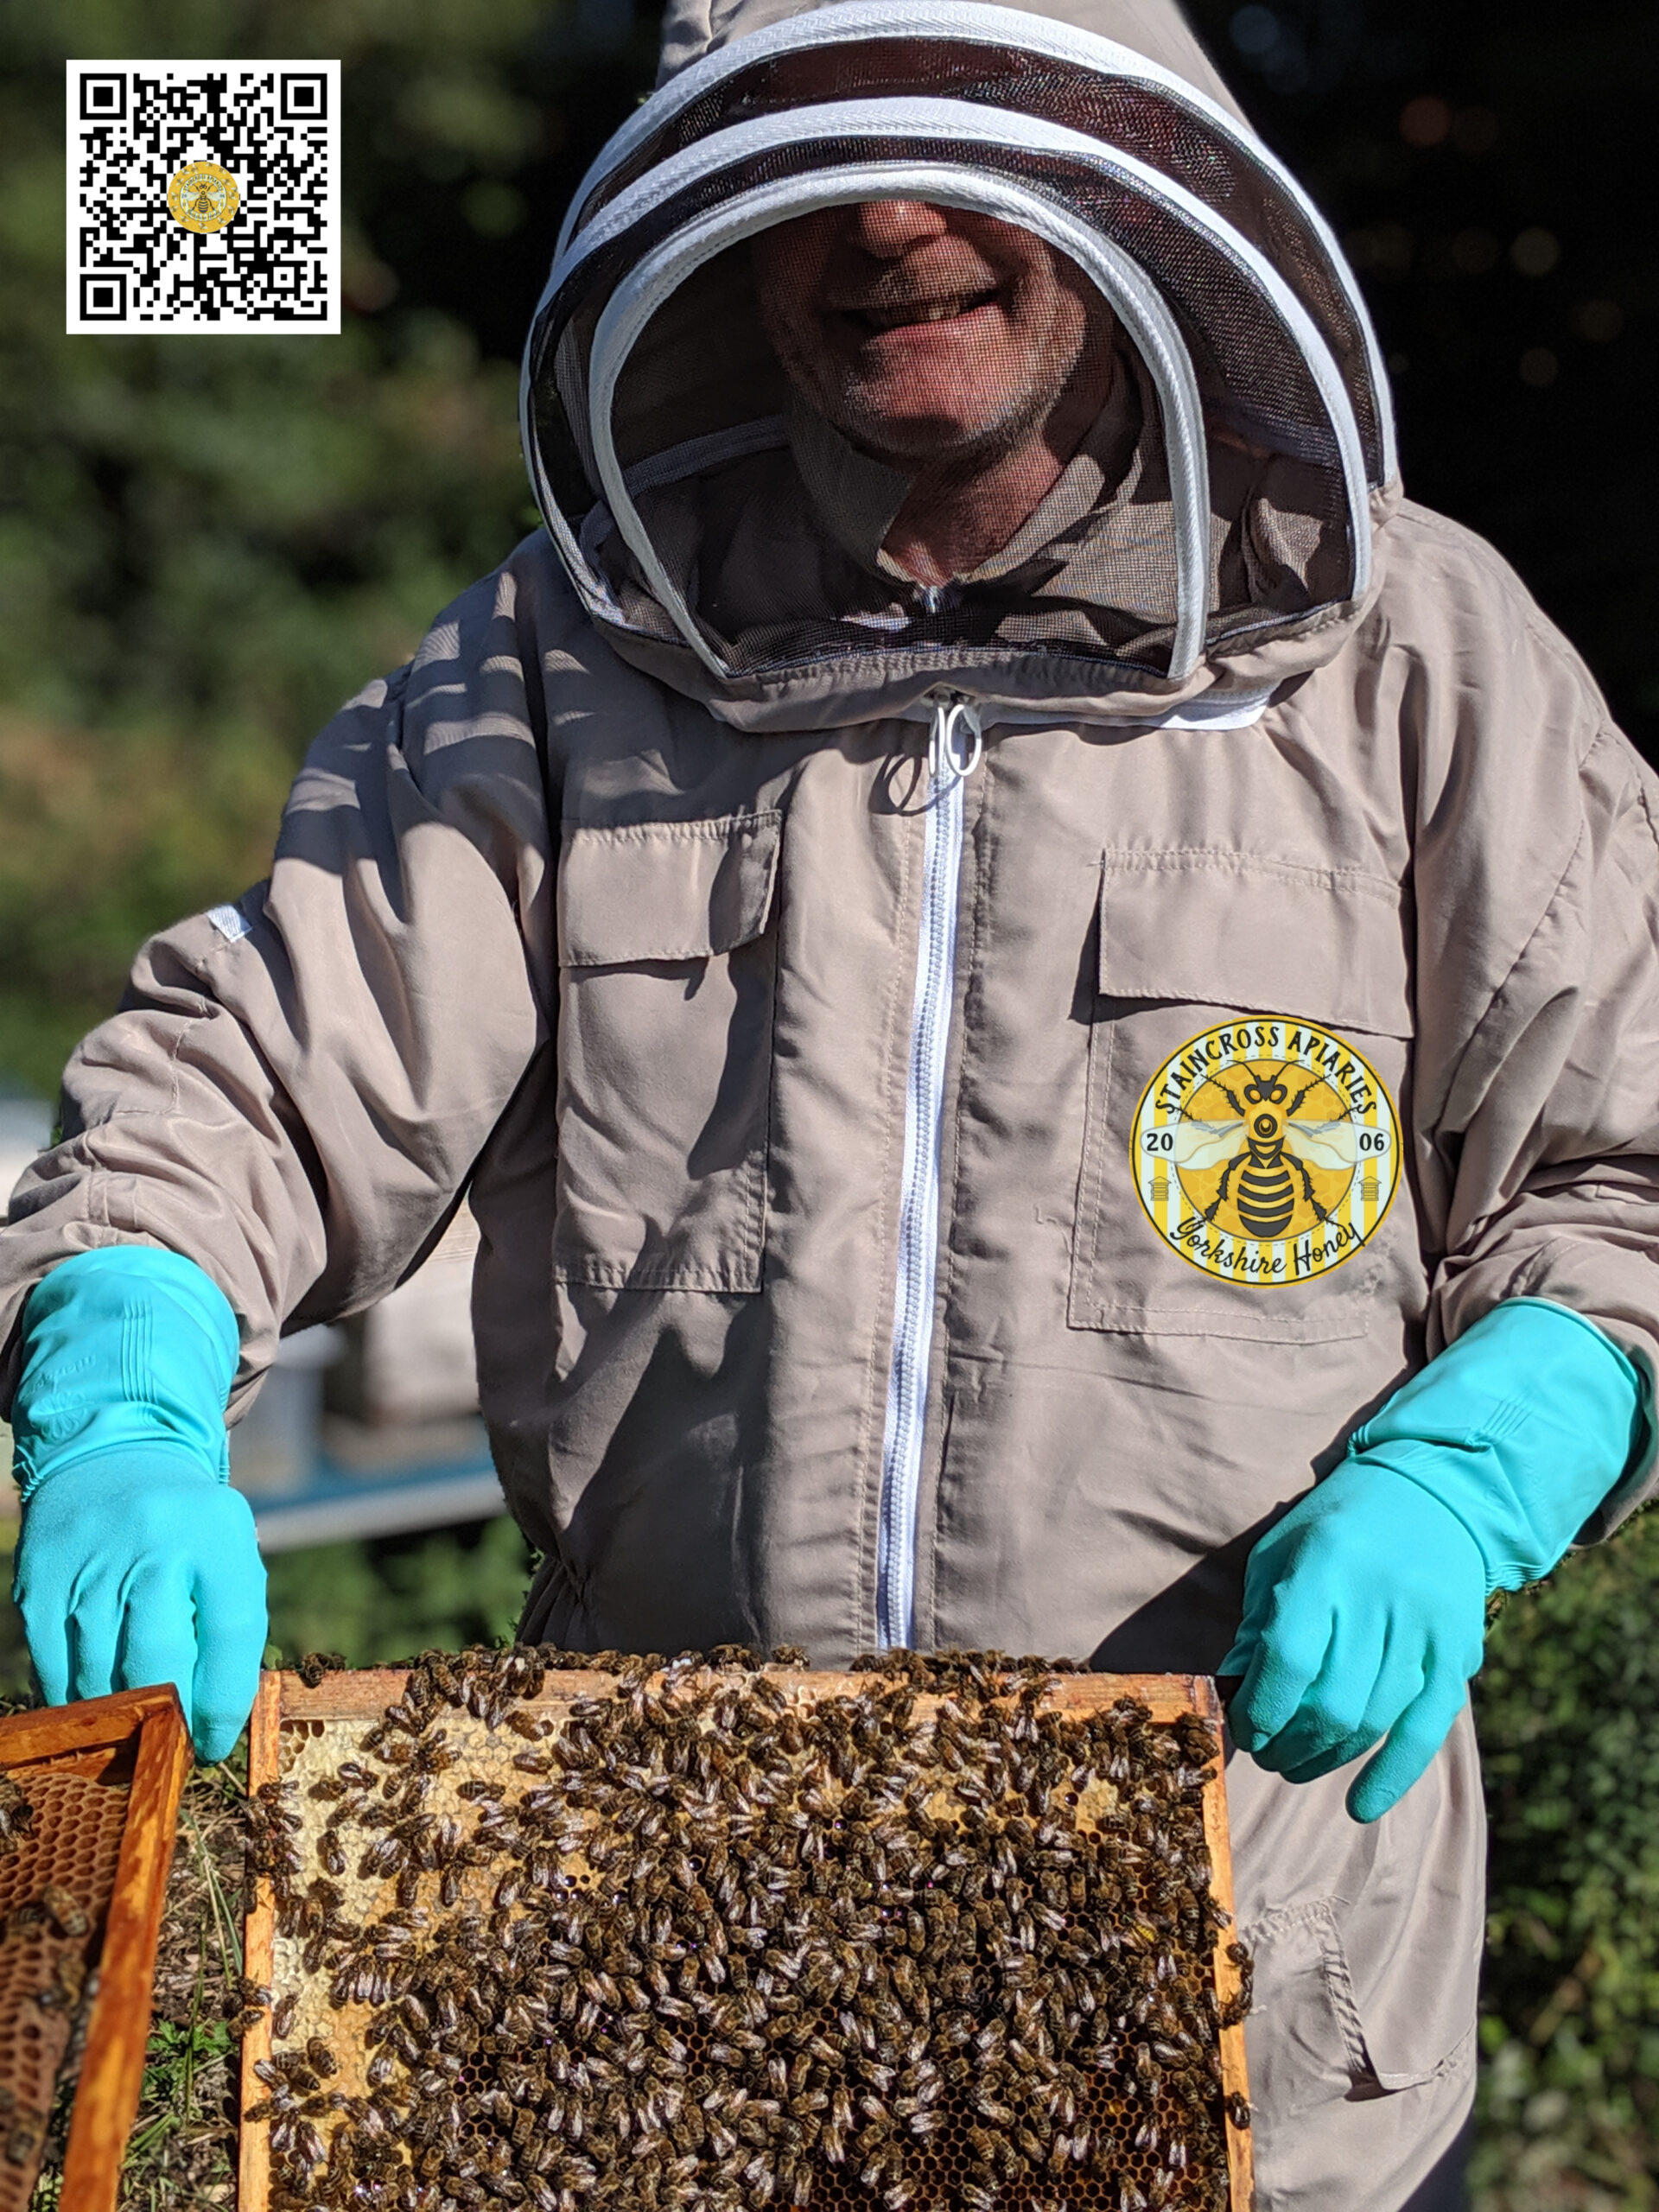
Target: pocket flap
(665,890)
(1257,936)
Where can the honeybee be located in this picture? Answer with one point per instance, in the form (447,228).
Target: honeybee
(1268,1150)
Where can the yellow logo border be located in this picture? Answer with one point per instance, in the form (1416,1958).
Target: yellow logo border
(1287,1263)
(178,185)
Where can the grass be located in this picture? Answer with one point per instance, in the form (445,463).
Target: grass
(182,2153)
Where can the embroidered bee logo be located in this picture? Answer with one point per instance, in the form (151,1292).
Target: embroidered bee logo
(1266,1152)
(203,196)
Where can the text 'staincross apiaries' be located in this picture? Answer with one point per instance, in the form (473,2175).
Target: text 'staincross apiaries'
(946,1934)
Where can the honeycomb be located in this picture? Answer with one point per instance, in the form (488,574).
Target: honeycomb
(54,1891)
(707,1938)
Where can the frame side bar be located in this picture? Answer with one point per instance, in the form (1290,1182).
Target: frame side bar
(1234,2076)
(111,2075)
(258,1942)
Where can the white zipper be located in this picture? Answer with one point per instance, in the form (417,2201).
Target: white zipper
(949,767)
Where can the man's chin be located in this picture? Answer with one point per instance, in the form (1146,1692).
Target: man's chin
(915,427)
(912,442)
(907,444)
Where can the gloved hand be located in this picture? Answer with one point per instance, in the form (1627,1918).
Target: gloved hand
(137,1562)
(1364,1607)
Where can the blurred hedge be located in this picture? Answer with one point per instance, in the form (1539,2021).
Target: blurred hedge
(1566,1705)
(1485,165)
(206,543)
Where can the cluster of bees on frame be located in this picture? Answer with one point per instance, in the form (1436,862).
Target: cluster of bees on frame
(698,1945)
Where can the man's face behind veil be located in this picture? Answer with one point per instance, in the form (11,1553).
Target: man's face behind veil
(930,334)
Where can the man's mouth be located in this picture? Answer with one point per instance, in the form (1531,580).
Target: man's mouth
(903,314)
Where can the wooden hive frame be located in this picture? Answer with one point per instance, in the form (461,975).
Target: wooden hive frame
(288,1712)
(137,1738)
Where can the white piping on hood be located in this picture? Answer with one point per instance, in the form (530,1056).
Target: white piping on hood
(1121,281)
(980,23)
(963,122)
(851,22)
(643,290)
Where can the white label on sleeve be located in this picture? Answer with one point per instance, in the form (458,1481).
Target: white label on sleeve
(230,922)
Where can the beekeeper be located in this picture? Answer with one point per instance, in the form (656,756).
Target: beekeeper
(1046,997)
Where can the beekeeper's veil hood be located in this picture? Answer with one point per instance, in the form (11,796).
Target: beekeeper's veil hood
(1211,534)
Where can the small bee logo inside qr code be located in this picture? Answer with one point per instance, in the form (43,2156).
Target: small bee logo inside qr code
(204,196)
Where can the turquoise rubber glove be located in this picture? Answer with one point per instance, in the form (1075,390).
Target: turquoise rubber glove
(137,1562)
(1364,1608)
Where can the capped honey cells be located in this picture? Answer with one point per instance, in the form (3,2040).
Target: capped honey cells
(722,1934)
(59,1837)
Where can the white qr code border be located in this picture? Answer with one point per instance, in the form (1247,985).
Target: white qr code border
(131,269)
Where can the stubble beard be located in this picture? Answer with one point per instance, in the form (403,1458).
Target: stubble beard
(948,455)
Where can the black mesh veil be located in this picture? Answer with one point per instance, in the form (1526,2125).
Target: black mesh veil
(706,498)
(1009,59)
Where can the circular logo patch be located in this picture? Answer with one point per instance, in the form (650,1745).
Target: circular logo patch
(203,196)
(1266,1152)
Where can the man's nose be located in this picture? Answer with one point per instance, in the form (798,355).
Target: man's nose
(885,229)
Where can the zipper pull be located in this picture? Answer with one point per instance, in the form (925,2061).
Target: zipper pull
(946,762)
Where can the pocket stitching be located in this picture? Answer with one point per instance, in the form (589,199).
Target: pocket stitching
(1124,868)
(741,1268)
(1340,1986)
(1091,1175)
(1319,1914)
(1217,859)
(1348,1320)
(1335,1979)
(730,830)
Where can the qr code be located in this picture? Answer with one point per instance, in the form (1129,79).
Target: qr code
(204,196)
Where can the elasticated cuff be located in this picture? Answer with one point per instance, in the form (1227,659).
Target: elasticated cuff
(127,1345)
(1521,1428)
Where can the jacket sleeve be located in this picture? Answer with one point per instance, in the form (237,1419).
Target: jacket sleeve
(1537,896)
(296,1087)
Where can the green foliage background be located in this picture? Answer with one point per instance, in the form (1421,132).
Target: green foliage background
(1570,2032)
(205,544)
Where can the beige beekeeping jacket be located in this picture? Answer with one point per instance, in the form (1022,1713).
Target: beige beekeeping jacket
(638,977)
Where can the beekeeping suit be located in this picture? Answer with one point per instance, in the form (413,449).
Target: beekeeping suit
(972,1085)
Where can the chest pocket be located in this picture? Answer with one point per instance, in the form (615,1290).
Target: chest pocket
(1243,1138)
(667,976)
